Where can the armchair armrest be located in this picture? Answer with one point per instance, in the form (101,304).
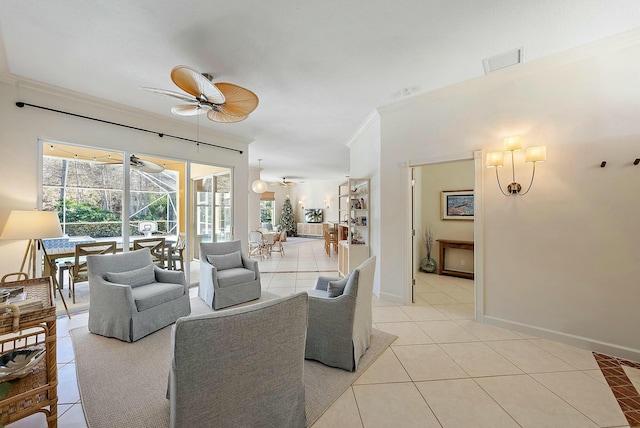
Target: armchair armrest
(251,265)
(323,282)
(111,297)
(332,312)
(171,276)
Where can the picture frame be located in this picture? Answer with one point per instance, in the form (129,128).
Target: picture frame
(457,205)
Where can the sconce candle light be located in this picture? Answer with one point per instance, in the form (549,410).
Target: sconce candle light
(532,155)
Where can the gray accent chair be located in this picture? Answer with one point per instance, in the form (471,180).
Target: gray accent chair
(243,367)
(227,276)
(130,297)
(339,330)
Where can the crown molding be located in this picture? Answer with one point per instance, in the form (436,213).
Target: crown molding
(372,119)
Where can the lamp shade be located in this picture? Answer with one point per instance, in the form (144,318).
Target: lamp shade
(495,159)
(32,225)
(259,186)
(536,154)
(513,143)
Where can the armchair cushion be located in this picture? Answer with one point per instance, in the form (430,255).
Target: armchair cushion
(155,294)
(235,276)
(226,261)
(336,288)
(135,278)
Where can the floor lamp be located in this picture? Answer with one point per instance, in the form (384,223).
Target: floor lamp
(34,226)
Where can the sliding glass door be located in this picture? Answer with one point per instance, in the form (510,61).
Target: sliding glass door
(211,206)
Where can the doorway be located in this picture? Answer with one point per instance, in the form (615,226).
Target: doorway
(211,209)
(428,182)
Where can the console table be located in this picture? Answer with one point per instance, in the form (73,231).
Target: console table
(461,245)
(310,229)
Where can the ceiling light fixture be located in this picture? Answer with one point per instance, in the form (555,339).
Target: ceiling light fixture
(532,155)
(259,186)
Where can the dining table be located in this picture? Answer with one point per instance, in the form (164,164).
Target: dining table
(63,248)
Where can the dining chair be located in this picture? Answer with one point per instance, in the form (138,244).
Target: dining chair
(255,243)
(327,243)
(277,243)
(175,253)
(156,246)
(268,241)
(79,271)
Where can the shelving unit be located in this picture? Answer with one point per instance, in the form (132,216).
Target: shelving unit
(38,390)
(353,228)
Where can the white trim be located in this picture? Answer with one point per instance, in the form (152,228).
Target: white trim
(393,298)
(478,226)
(368,122)
(478,238)
(455,157)
(570,339)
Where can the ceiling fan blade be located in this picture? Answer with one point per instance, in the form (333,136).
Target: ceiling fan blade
(221,117)
(144,165)
(188,110)
(194,83)
(182,97)
(239,101)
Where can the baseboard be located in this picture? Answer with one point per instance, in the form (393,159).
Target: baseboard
(393,298)
(570,339)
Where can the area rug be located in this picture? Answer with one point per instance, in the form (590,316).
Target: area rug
(124,384)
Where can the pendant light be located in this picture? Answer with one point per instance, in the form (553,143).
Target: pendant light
(259,186)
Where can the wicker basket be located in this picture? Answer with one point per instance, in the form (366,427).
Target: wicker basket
(37,390)
(37,288)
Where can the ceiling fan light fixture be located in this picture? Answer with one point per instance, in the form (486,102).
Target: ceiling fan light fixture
(223,102)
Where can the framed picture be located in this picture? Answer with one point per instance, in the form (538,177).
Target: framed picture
(457,204)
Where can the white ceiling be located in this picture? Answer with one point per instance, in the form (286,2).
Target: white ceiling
(319,67)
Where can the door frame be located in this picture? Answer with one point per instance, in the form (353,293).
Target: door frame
(478,225)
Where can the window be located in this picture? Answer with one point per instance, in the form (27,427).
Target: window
(266,212)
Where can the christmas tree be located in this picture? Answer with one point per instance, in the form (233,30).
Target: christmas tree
(287,222)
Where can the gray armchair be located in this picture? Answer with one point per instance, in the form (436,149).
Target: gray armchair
(243,367)
(339,330)
(130,297)
(227,276)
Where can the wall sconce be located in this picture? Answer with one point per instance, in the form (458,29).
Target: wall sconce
(326,203)
(301,203)
(532,155)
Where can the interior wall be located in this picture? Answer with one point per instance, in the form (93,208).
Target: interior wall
(22,127)
(561,261)
(314,195)
(365,162)
(435,179)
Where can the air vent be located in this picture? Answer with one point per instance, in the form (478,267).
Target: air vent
(502,60)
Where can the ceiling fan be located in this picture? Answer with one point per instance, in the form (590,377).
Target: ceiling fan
(140,164)
(284,183)
(222,102)
(144,165)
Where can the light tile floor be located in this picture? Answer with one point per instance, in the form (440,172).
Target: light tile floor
(444,370)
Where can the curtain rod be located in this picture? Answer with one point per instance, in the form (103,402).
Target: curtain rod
(159,134)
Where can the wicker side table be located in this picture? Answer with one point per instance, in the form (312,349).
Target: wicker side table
(38,390)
